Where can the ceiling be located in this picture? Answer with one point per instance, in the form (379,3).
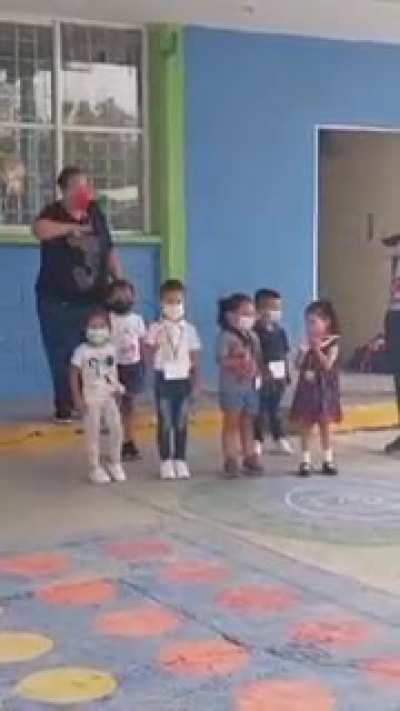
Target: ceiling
(377,20)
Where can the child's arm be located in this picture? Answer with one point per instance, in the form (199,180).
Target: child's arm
(76,389)
(300,356)
(195,370)
(328,360)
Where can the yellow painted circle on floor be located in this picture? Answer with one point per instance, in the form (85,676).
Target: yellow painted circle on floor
(22,646)
(67,685)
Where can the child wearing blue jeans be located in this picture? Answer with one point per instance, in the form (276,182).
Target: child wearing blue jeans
(239,360)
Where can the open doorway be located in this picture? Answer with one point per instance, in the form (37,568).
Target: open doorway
(358,205)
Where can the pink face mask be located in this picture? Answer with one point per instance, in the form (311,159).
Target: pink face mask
(81,198)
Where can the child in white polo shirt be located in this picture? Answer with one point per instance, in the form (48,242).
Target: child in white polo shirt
(128,334)
(175,347)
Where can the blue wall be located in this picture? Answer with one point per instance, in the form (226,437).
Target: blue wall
(23,371)
(252,104)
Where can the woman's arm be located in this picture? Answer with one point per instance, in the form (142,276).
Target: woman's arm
(45,229)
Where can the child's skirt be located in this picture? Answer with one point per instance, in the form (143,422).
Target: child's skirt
(317,398)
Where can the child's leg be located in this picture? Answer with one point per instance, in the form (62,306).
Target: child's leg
(261,417)
(180,416)
(112,419)
(92,420)
(246,427)
(164,426)
(230,434)
(305,439)
(326,442)
(274,412)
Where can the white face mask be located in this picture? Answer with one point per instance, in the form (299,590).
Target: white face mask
(246,323)
(173,312)
(98,336)
(275,316)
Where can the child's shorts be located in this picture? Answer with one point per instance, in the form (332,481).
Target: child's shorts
(132,378)
(240,399)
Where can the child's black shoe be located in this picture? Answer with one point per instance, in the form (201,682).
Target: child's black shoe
(231,468)
(130,452)
(329,469)
(304,470)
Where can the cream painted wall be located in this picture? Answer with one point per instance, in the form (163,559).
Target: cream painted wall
(359,174)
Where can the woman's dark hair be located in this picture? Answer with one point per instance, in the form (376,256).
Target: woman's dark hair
(67,174)
(230,304)
(120,284)
(325,309)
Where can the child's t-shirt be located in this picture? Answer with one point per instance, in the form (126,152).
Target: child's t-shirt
(229,345)
(274,348)
(98,366)
(173,343)
(128,330)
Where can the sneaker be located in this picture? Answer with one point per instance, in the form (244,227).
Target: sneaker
(258,448)
(167,470)
(130,452)
(99,476)
(252,466)
(304,469)
(329,469)
(62,417)
(393,447)
(117,473)
(231,468)
(182,470)
(283,446)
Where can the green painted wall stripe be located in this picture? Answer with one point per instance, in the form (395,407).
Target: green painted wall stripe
(27,238)
(167,132)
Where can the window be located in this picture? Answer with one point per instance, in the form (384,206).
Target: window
(87,102)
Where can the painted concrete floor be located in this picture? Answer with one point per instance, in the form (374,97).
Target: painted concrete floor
(264,595)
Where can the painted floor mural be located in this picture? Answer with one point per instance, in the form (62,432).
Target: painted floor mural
(165,620)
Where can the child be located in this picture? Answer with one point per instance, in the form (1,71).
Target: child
(128,333)
(238,356)
(317,398)
(95,387)
(276,375)
(175,348)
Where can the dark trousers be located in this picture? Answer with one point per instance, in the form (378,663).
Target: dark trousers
(392,335)
(270,412)
(62,328)
(173,403)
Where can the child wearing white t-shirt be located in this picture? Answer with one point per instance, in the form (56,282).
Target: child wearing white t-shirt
(95,387)
(175,347)
(128,332)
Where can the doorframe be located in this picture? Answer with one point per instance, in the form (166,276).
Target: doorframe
(317,132)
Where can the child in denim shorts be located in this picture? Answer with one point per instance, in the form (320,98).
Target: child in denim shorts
(239,359)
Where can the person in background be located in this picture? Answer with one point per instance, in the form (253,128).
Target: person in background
(392,325)
(239,360)
(77,259)
(128,335)
(276,371)
(175,346)
(95,388)
(317,397)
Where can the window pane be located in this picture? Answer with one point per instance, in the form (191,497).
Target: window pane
(25,73)
(26,174)
(114,161)
(101,76)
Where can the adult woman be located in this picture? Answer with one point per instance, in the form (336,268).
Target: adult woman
(392,324)
(77,261)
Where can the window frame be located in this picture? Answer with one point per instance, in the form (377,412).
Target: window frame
(57,128)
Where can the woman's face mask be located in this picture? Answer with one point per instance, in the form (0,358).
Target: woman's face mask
(98,336)
(173,312)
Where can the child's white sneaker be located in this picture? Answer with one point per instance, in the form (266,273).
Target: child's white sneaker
(182,469)
(117,473)
(167,470)
(99,476)
(282,446)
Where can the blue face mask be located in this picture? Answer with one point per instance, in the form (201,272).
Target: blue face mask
(98,336)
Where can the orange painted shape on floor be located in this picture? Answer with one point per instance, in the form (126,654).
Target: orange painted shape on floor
(77,592)
(334,633)
(285,695)
(35,565)
(144,621)
(385,669)
(203,658)
(138,550)
(248,599)
(195,571)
